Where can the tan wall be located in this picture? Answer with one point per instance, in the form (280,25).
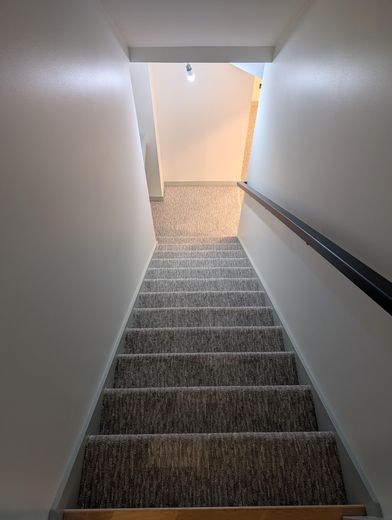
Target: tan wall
(249,138)
(202,125)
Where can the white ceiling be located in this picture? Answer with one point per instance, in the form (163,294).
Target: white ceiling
(180,23)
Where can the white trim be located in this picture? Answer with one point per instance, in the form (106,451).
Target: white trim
(314,383)
(228,54)
(116,344)
(156,198)
(200,183)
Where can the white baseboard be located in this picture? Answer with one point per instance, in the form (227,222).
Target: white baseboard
(86,423)
(373,505)
(200,183)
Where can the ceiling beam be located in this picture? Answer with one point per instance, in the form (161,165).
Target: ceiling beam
(240,54)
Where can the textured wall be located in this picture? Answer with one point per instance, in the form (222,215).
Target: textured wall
(322,150)
(76,232)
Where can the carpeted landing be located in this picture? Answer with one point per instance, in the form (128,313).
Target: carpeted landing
(206,409)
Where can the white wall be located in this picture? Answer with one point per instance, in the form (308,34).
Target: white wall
(255,69)
(322,150)
(202,125)
(145,114)
(76,233)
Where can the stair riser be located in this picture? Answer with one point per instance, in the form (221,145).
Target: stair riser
(183,470)
(201,299)
(200,254)
(198,247)
(190,285)
(174,370)
(203,410)
(212,272)
(180,263)
(201,317)
(197,240)
(242,339)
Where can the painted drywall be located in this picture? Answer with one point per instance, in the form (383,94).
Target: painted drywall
(145,115)
(322,150)
(257,83)
(76,233)
(205,22)
(255,69)
(202,125)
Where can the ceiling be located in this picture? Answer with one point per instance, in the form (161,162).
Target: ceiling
(180,23)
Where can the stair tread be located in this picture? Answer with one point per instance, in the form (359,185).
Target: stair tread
(199,247)
(159,263)
(208,389)
(205,339)
(210,369)
(188,409)
(167,239)
(200,253)
(172,273)
(181,470)
(205,292)
(200,316)
(242,355)
(200,284)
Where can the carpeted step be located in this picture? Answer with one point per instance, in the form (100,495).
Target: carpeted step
(206,470)
(177,263)
(201,299)
(199,247)
(208,410)
(201,253)
(205,369)
(199,272)
(198,339)
(200,284)
(197,240)
(201,317)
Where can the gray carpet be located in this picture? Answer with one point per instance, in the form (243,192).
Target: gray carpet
(206,409)
(205,369)
(204,339)
(201,299)
(198,210)
(201,284)
(188,410)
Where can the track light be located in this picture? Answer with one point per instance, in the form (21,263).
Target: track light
(190,75)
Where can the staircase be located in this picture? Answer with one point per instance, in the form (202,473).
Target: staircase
(206,410)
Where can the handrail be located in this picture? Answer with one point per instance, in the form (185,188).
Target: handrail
(371,282)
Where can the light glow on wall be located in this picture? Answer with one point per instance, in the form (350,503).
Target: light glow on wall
(190,75)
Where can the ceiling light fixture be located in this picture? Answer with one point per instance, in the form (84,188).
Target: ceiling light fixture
(190,75)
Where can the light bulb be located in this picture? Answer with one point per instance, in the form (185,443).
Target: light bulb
(190,75)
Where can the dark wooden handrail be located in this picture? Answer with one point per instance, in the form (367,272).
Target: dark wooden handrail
(371,282)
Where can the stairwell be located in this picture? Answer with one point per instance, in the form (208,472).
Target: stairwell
(206,409)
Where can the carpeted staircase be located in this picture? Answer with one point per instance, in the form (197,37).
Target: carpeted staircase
(206,408)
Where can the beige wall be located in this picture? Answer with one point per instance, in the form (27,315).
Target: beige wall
(202,125)
(76,233)
(322,150)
